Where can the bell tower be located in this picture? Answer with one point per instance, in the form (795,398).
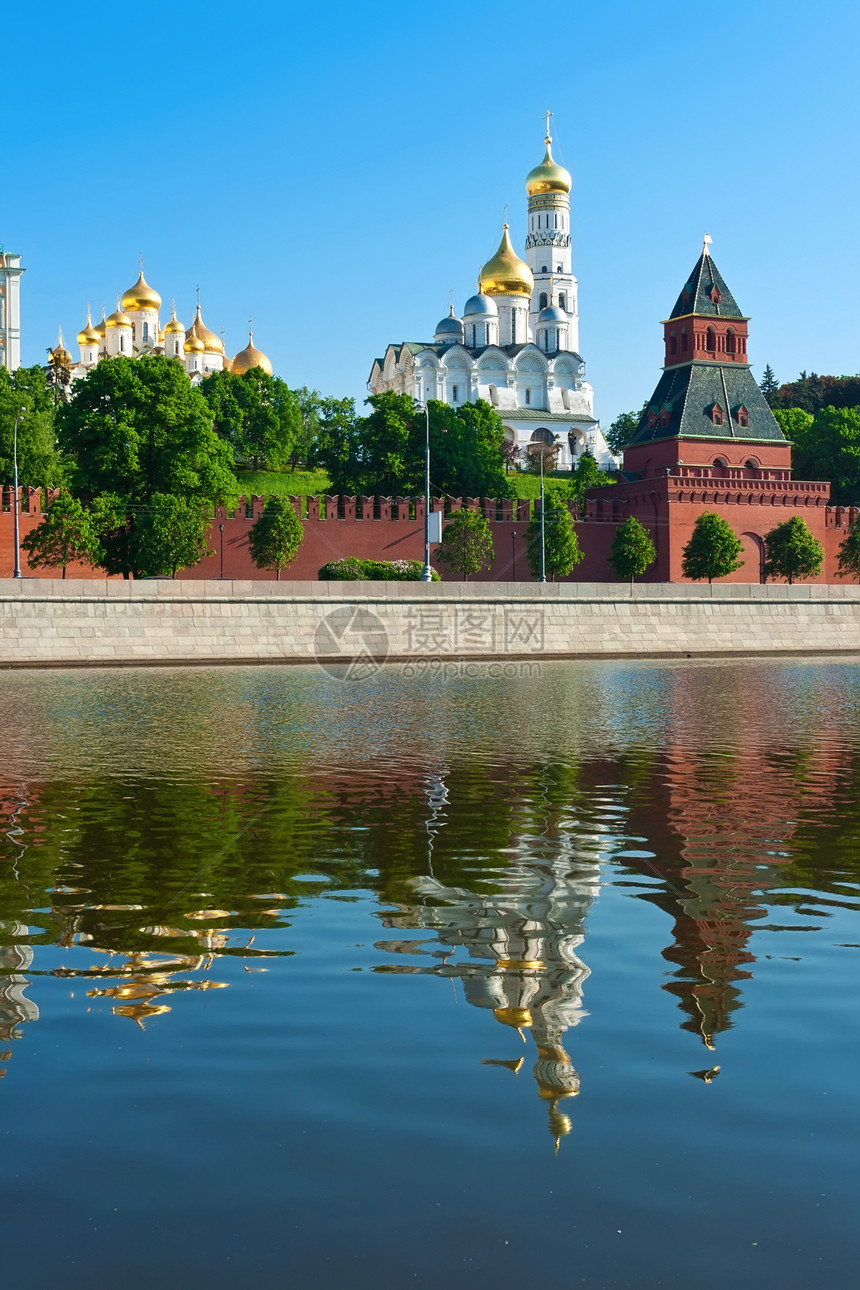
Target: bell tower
(10,309)
(548,247)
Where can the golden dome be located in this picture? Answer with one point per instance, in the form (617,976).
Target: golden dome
(506,274)
(89,335)
(60,356)
(102,326)
(250,357)
(174,325)
(549,176)
(228,364)
(211,343)
(193,343)
(141,296)
(118,319)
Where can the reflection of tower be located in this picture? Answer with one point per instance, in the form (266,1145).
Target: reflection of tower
(15,1007)
(521,961)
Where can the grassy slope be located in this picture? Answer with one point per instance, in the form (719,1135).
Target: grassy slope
(303,483)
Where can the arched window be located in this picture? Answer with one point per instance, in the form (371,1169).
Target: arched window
(683,341)
(543,268)
(543,436)
(673,344)
(562,301)
(720,463)
(751,464)
(731,342)
(122,343)
(559,269)
(145,333)
(542,300)
(711,341)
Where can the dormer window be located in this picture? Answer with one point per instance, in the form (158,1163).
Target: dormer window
(665,415)
(715,294)
(687,294)
(715,412)
(742,417)
(652,418)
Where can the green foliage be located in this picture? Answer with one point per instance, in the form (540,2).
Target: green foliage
(137,427)
(849,553)
(632,551)
(792,552)
(384,452)
(621,431)
(511,454)
(826,446)
(310,404)
(712,551)
(352,569)
(276,536)
(537,452)
(813,392)
(587,474)
(170,535)
(769,385)
(65,534)
(38,462)
(283,483)
(257,414)
(562,550)
(467,543)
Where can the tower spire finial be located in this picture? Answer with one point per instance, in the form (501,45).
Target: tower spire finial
(547,115)
(140,262)
(506,214)
(250,329)
(706,242)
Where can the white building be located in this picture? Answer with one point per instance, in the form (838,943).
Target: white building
(516,345)
(134,329)
(10,310)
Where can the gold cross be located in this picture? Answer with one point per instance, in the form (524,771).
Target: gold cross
(547,116)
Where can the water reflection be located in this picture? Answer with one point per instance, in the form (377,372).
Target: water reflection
(15,1008)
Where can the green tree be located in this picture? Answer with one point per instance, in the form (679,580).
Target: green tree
(587,474)
(137,427)
(39,464)
(622,431)
(511,454)
(632,550)
(170,534)
(826,446)
(792,552)
(65,534)
(466,450)
(338,446)
(849,553)
(310,405)
(467,543)
(562,550)
(275,536)
(712,551)
(257,414)
(769,385)
(813,392)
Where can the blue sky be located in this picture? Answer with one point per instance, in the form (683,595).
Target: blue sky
(333,169)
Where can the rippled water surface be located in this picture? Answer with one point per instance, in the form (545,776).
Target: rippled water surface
(466,982)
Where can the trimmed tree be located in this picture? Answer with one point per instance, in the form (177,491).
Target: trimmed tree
(849,553)
(467,543)
(712,551)
(276,536)
(632,551)
(66,534)
(792,552)
(562,547)
(170,535)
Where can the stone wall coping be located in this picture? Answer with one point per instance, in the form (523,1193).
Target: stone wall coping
(230,590)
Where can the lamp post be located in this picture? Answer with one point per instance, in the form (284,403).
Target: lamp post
(15,505)
(542,523)
(221,527)
(426,572)
(514,556)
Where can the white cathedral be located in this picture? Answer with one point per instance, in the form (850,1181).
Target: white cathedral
(516,345)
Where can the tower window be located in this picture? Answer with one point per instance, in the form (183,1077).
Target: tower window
(715,412)
(145,333)
(513,326)
(683,342)
(711,343)
(542,301)
(559,269)
(731,342)
(543,268)
(455,393)
(673,344)
(743,417)
(528,397)
(562,300)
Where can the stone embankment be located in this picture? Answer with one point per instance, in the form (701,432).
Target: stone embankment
(48,622)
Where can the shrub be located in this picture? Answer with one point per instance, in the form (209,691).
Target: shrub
(351,569)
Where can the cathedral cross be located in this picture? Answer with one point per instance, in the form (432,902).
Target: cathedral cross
(547,116)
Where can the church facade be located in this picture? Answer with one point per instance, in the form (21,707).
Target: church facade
(517,343)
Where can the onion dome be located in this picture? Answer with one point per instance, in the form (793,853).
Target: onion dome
(118,319)
(250,357)
(549,176)
(193,343)
(449,330)
(89,335)
(212,344)
(141,296)
(480,306)
(552,314)
(174,325)
(227,365)
(101,327)
(60,356)
(506,274)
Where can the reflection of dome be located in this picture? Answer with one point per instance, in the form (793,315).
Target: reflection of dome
(141,296)
(548,177)
(480,306)
(250,357)
(518,1018)
(506,274)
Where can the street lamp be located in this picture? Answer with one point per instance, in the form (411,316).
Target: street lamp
(15,505)
(542,521)
(514,556)
(426,572)
(221,527)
